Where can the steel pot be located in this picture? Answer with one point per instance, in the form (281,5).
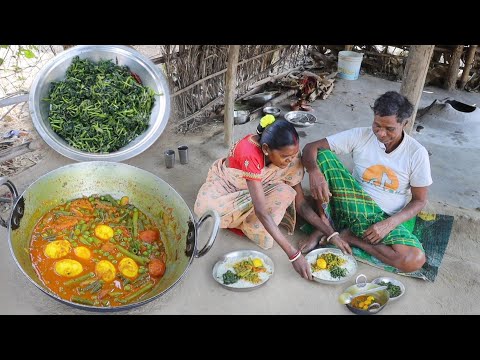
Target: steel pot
(149,193)
(55,70)
(381,296)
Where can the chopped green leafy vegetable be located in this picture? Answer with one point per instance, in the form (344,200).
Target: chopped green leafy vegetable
(393,290)
(337,272)
(230,277)
(99,107)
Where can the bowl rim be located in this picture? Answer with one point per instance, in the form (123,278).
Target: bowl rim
(137,145)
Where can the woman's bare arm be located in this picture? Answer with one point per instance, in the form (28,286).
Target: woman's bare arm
(259,203)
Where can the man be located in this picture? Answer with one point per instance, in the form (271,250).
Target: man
(370,207)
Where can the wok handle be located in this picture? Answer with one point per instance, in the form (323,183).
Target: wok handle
(13,191)
(216,226)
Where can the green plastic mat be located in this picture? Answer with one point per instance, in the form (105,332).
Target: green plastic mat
(433,231)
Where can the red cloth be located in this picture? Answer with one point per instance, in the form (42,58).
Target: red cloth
(236,231)
(247,155)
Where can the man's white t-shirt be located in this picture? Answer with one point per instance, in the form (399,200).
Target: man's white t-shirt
(387,178)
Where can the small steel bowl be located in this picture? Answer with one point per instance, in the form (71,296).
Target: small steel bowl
(300,118)
(387,279)
(272,110)
(240,117)
(234,256)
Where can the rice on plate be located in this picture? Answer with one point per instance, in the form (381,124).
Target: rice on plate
(346,270)
(231,262)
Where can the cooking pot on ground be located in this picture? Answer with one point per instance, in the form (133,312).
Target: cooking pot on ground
(146,191)
(361,285)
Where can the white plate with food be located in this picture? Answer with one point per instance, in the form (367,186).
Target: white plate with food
(331,266)
(243,270)
(395,287)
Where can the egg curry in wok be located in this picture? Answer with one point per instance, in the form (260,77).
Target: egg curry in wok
(98,251)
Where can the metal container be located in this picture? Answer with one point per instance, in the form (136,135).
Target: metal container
(55,70)
(272,110)
(237,256)
(241,117)
(381,296)
(300,118)
(146,191)
(312,256)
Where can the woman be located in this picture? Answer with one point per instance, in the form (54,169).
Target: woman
(253,187)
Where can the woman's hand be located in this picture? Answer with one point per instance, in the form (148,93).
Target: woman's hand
(341,244)
(302,267)
(319,186)
(377,232)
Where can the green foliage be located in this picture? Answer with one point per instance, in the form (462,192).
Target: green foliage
(18,51)
(99,107)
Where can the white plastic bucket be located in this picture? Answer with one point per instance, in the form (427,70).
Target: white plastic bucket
(349,63)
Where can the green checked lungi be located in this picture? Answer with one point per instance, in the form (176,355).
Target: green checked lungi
(351,207)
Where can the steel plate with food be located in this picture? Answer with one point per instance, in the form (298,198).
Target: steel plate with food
(331,266)
(243,270)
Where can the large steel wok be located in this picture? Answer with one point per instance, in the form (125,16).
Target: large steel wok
(145,190)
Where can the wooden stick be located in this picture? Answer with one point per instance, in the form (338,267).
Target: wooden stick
(452,75)
(217,99)
(213,102)
(18,150)
(222,71)
(416,69)
(468,65)
(230,86)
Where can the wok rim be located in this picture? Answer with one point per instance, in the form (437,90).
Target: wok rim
(97,308)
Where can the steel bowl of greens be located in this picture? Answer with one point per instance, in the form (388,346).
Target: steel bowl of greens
(100,102)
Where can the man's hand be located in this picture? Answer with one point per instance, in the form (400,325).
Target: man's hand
(341,244)
(377,232)
(319,186)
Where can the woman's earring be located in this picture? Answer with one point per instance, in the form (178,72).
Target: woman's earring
(266,154)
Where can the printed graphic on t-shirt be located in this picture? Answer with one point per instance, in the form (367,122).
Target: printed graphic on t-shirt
(382,177)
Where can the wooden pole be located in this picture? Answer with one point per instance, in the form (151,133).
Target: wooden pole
(468,65)
(452,76)
(414,76)
(348,47)
(230,86)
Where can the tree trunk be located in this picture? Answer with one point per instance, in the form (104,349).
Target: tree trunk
(472,50)
(414,75)
(230,86)
(452,75)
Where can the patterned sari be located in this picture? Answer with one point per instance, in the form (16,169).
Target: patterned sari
(226,192)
